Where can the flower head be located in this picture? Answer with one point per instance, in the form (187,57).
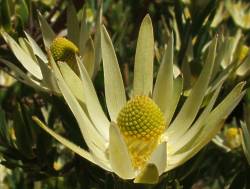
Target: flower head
(142,131)
(64,50)
(141,123)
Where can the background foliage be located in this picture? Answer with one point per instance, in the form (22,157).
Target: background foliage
(36,161)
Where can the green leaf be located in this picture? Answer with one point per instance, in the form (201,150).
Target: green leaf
(212,125)
(72,24)
(24,44)
(21,76)
(118,152)
(114,87)
(5,15)
(84,33)
(22,133)
(163,90)
(244,67)
(189,137)
(239,181)
(144,57)
(23,11)
(4,135)
(177,91)
(245,133)
(27,62)
(93,105)
(93,139)
(89,57)
(192,105)
(49,80)
(78,150)
(245,136)
(36,49)
(97,40)
(48,33)
(73,81)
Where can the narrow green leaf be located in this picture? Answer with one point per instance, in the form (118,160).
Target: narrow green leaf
(212,125)
(84,33)
(93,139)
(187,139)
(93,105)
(114,88)
(245,136)
(5,137)
(49,79)
(22,11)
(89,57)
(5,15)
(163,90)
(23,77)
(177,91)
(97,40)
(22,133)
(245,133)
(78,150)
(192,105)
(24,44)
(27,62)
(244,67)
(48,33)
(144,57)
(36,49)
(72,24)
(73,81)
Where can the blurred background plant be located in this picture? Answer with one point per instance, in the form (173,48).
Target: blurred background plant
(34,160)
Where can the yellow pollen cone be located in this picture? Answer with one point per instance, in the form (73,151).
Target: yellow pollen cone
(64,50)
(141,122)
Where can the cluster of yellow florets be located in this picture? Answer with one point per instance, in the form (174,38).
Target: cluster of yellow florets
(141,122)
(64,50)
(141,118)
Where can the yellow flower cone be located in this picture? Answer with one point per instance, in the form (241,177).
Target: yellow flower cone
(141,123)
(64,50)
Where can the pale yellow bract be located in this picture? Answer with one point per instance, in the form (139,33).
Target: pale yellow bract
(183,135)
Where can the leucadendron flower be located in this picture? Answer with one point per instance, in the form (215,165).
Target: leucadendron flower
(228,139)
(141,138)
(35,61)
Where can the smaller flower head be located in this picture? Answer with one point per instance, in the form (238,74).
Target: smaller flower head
(64,50)
(233,137)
